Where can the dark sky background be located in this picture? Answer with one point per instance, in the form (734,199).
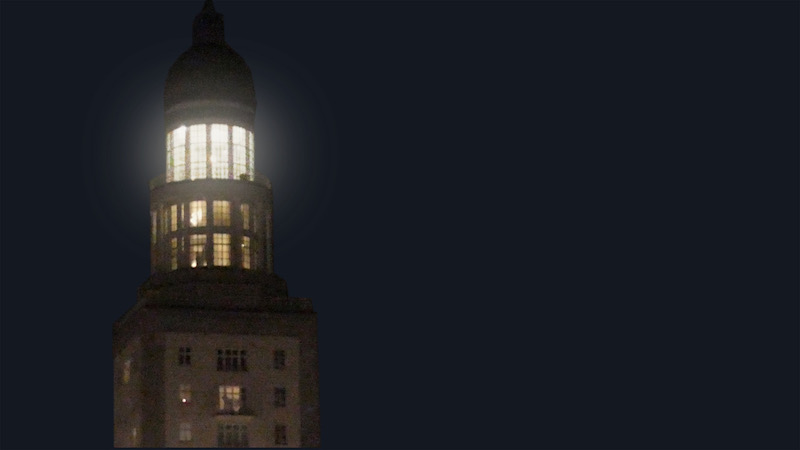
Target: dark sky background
(522,224)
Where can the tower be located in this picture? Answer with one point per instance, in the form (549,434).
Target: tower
(214,353)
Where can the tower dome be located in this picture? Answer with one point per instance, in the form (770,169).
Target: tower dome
(209,78)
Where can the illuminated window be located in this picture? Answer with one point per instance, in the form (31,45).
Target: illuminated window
(245,252)
(170,164)
(229,360)
(222,249)
(232,435)
(178,154)
(164,227)
(222,213)
(126,371)
(189,155)
(239,152)
(185,432)
(197,247)
(197,147)
(219,150)
(231,399)
(185,393)
(185,356)
(197,211)
(279,397)
(280,434)
(278,359)
(250,162)
(173,253)
(173,218)
(245,208)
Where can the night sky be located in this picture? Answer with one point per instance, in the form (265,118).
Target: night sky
(522,224)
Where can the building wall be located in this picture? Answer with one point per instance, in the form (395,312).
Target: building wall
(148,399)
(127,395)
(202,411)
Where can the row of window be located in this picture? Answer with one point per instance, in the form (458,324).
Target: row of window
(231,360)
(232,435)
(194,213)
(209,151)
(203,255)
(232,398)
(202,249)
(228,360)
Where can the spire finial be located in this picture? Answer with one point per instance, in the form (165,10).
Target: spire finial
(208,26)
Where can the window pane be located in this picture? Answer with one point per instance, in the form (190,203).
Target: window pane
(173,218)
(170,164)
(230,398)
(186,431)
(179,153)
(197,213)
(219,150)
(246,252)
(179,137)
(239,152)
(245,208)
(197,146)
(222,213)
(174,253)
(198,249)
(222,249)
(250,159)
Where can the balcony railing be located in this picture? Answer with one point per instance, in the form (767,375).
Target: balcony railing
(161,180)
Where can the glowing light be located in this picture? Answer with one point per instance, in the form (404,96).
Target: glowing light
(197,217)
(194,263)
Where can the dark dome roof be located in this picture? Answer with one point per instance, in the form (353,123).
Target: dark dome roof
(210,69)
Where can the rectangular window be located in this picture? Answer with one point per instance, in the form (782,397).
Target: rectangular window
(185,432)
(222,249)
(229,360)
(280,434)
(179,153)
(170,164)
(219,150)
(279,397)
(173,253)
(185,393)
(163,227)
(197,213)
(250,160)
(197,243)
(278,359)
(173,218)
(232,435)
(245,252)
(231,399)
(185,356)
(245,208)
(239,153)
(197,150)
(222,213)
